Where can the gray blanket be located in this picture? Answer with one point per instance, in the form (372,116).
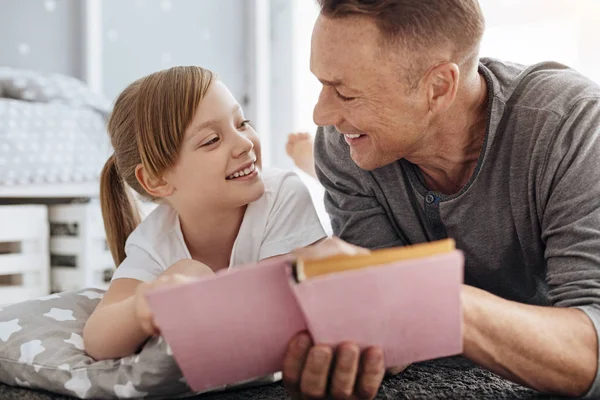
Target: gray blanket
(450,378)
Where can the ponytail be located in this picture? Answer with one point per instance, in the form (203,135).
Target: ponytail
(120,214)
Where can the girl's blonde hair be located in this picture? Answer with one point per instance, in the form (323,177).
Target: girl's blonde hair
(146,127)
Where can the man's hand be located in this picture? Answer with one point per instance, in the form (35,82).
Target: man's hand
(328,247)
(318,371)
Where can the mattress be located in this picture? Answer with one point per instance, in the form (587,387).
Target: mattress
(52,129)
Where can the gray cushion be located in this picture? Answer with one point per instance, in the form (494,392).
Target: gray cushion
(41,347)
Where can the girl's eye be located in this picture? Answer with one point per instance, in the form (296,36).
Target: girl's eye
(211,141)
(245,123)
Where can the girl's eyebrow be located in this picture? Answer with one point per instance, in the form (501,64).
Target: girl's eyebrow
(211,122)
(215,121)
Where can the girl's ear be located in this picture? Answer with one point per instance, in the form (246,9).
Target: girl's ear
(155,187)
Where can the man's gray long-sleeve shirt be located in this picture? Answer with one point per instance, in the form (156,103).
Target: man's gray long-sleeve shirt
(528,220)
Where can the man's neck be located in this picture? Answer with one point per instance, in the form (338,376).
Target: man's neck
(455,141)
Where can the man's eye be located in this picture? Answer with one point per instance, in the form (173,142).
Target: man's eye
(343,98)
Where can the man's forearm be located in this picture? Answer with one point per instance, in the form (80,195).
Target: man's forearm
(550,349)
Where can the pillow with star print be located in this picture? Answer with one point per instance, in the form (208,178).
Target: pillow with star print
(41,347)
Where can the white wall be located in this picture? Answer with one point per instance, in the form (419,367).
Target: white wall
(529,31)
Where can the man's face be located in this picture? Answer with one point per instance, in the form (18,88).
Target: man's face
(365,91)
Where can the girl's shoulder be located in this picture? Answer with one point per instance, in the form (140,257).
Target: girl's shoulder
(160,222)
(276,180)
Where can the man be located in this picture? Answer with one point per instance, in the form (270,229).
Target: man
(420,140)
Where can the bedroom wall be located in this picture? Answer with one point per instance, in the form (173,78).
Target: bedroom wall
(133,38)
(44,35)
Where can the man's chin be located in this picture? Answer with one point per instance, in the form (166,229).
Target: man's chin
(365,161)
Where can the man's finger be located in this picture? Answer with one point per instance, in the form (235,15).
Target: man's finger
(391,371)
(343,379)
(294,361)
(372,370)
(316,372)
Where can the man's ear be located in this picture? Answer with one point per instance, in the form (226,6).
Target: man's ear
(155,187)
(442,85)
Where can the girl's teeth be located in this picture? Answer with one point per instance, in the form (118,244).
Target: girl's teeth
(353,136)
(245,172)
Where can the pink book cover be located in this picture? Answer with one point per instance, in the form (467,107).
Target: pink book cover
(231,327)
(410,308)
(236,325)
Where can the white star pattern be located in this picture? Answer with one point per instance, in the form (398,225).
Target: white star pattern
(50,5)
(79,383)
(76,341)
(64,367)
(28,94)
(127,360)
(128,391)
(166,5)
(22,383)
(169,351)
(23,48)
(49,297)
(60,315)
(91,294)
(20,83)
(8,328)
(29,350)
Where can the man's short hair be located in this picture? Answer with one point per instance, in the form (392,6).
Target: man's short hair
(420,25)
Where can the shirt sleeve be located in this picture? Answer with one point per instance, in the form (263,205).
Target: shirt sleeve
(356,215)
(570,215)
(138,264)
(293,222)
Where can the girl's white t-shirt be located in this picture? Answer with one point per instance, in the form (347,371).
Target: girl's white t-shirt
(282,220)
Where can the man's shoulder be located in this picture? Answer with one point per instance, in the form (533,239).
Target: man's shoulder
(546,86)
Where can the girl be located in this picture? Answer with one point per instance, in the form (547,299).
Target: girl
(180,138)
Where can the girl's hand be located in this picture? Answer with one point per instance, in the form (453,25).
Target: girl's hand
(181,272)
(189,268)
(142,308)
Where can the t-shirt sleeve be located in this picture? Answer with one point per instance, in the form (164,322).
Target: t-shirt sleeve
(356,215)
(293,222)
(570,215)
(138,264)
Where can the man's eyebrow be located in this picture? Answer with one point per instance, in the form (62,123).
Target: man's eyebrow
(337,83)
(208,123)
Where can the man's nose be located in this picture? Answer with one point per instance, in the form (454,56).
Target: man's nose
(326,112)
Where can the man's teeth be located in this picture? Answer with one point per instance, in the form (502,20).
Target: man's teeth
(243,172)
(353,136)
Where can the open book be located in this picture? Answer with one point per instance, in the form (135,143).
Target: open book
(236,325)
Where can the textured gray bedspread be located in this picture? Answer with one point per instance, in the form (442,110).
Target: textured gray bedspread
(451,378)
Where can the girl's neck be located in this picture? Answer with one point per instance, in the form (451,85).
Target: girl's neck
(210,236)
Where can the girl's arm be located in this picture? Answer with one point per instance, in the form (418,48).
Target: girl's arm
(122,321)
